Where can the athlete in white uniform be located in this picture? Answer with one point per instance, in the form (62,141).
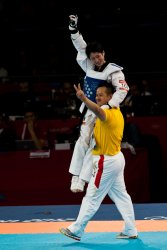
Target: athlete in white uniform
(108,165)
(91,59)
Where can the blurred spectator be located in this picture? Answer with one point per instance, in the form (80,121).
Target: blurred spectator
(145,88)
(138,103)
(70,100)
(131,137)
(31,130)
(7,133)
(64,101)
(132,101)
(68,88)
(26,96)
(3,74)
(24,86)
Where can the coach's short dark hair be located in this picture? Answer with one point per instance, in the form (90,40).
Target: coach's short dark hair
(108,85)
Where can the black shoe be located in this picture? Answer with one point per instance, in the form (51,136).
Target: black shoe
(69,234)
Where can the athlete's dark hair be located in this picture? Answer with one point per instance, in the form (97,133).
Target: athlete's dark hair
(94,47)
(109,87)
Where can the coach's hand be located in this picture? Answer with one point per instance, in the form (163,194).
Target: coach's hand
(79,92)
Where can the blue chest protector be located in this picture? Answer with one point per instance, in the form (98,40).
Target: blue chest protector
(90,86)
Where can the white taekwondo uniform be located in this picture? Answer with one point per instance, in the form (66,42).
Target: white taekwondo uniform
(81,162)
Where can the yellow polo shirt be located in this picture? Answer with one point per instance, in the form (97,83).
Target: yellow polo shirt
(108,134)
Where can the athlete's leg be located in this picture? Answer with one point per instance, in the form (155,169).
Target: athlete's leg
(87,168)
(82,145)
(78,182)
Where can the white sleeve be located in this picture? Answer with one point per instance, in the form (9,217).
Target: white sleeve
(80,46)
(121,88)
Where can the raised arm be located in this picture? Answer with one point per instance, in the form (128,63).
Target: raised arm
(79,43)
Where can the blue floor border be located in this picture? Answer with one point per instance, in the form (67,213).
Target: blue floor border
(69,212)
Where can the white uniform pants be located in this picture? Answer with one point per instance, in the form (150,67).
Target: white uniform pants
(81,162)
(107,178)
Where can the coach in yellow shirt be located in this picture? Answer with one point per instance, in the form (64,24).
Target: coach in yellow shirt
(108,167)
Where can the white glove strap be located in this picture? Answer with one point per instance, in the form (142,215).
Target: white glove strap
(75,36)
(71,28)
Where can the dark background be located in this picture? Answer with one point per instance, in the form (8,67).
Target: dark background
(35,37)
